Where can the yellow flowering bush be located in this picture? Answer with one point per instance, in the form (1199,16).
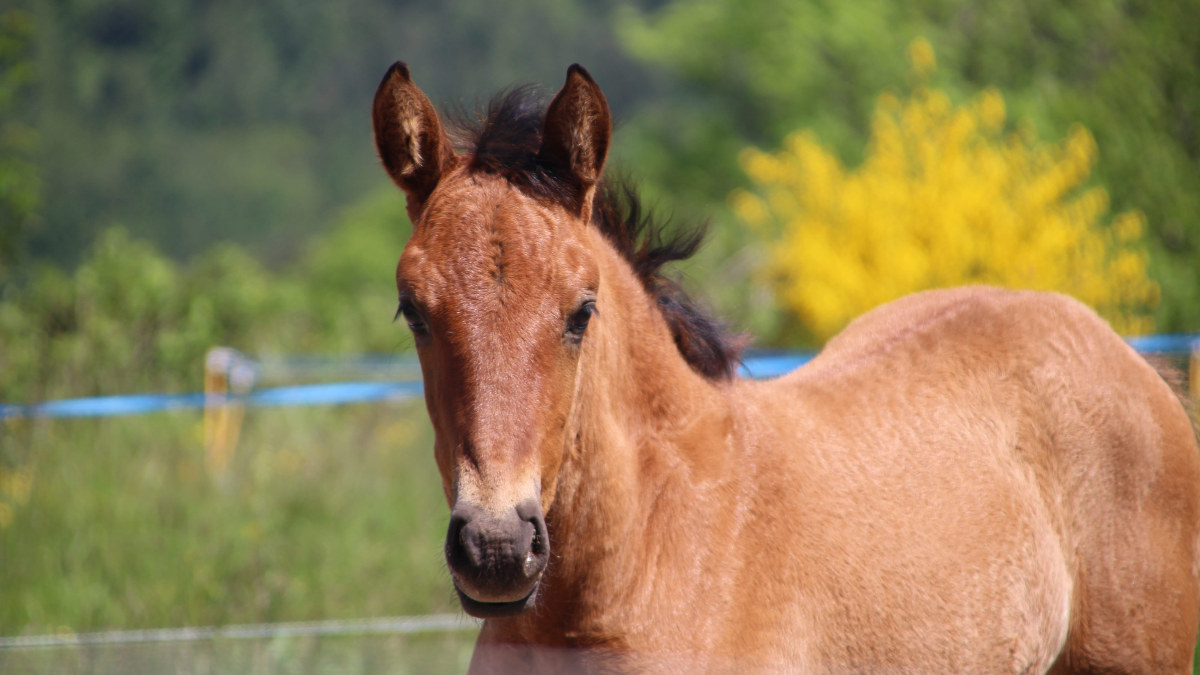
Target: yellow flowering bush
(943,197)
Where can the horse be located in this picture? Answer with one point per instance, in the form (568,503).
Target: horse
(965,480)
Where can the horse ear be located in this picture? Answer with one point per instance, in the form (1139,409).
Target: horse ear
(576,134)
(411,141)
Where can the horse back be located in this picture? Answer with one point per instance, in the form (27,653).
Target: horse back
(1010,451)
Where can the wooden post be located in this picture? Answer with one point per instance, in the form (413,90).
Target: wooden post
(1194,374)
(228,377)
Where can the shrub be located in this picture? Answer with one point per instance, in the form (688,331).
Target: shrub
(945,195)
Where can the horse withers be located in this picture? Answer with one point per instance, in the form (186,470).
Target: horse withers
(968,480)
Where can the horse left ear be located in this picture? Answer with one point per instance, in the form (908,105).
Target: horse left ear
(576,134)
(411,141)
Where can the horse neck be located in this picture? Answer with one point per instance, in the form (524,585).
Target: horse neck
(646,428)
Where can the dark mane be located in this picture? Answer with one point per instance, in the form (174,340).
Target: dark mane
(505,142)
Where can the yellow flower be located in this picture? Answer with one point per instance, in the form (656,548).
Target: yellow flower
(943,197)
(991,110)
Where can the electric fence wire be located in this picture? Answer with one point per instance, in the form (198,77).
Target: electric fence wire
(395,625)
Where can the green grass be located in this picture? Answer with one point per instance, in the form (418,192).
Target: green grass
(374,654)
(323,513)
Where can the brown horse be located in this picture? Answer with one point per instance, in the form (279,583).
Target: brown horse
(971,480)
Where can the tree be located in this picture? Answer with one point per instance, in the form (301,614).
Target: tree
(200,121)
(19,183)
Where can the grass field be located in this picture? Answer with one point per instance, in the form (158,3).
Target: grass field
(323,513)
(426,654)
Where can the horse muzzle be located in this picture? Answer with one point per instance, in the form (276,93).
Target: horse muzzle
(496,561)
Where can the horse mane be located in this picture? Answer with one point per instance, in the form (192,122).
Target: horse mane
(505,141)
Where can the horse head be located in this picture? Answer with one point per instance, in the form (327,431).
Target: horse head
(499,287)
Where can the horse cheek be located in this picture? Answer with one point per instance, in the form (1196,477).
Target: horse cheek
(557,435)
(441,408)
(444,457)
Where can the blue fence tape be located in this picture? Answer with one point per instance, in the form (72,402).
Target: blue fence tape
(763,366)
(1179,343)
(760,366)
(335,393)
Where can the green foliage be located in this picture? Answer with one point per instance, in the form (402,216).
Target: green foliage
(350,274)
(754,70)
(20,195)
(195,122)
(766,68)
(759,69)
(130,319)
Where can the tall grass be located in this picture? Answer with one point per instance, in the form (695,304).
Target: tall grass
(323,513)
(422,654)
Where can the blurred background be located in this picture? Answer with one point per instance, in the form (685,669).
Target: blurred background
(175,176)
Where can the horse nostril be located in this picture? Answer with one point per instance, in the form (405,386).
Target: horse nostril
(530,511)
(541,541)
(462,542)
(535,560)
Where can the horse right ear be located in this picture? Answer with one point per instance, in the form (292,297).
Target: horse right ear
(411,141)
(576,133)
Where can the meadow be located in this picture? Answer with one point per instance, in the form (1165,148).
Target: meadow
(426,654)
(323,513)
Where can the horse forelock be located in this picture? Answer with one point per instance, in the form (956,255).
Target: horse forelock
(505,139)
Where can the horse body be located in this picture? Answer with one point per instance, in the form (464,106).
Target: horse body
(972,480)
(916,499)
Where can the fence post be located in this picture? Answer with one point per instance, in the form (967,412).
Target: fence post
(228,377)
(1194,372)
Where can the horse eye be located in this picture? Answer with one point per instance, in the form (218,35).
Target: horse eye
(411,316)
(577,323)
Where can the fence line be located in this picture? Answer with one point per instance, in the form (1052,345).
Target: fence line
(394,625)
(334,393)
(330,393)
(241,372)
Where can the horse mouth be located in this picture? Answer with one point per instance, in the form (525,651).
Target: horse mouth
(490,610)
